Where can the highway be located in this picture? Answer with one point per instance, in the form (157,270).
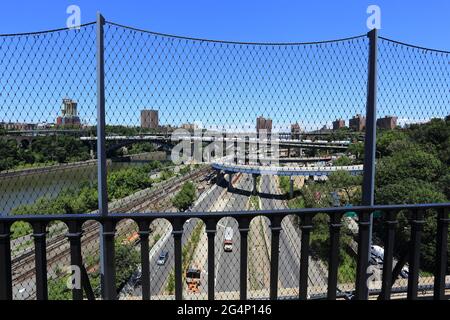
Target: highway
(159,274)
(290,243)
(289,264)
(227,264)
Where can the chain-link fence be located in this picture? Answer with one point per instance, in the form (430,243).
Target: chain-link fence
(211,126)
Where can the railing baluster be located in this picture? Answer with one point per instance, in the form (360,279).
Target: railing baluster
(177,234)
(40,255)
(211,233)
(363,256)
(390,225)
(108,233)
(414,253)
(144,233)
(306,226)
(441,254)
(275,227)
(5,262)
(333,263)
(243,231)
(74,236)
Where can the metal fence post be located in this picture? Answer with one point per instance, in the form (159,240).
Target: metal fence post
(275,226)
(441,254)
(5,265)
(144,232)
(305,227)
(368,187)
(211,234)
(101,150)
(40,259)
(244,225)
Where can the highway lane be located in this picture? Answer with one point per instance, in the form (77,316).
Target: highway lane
(159,274)
(289,261)
(290,244)
(227,264)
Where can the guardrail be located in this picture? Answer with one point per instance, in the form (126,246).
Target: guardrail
(416,215)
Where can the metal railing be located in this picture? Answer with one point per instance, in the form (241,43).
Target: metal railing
(115,69)
(177,220)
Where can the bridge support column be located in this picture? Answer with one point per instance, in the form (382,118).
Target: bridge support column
(230,181)
(291,187)
(220,176)
(255,187)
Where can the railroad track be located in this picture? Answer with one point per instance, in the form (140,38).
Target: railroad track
(158,193)
(23,266)
(58,247)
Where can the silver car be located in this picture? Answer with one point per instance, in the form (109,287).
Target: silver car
(162,258)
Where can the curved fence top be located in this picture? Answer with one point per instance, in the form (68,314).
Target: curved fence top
(234,42)
(36,33)
(225,41)
(414,46)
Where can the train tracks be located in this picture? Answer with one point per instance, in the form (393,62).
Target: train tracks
(58,248)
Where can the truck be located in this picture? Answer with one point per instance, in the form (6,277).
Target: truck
(193,276)
(228,240)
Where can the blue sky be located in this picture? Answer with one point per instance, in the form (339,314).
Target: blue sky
(311,85)
(425,23)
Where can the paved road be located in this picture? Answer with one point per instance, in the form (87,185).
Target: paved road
(159,274)
(289,263)
(290,241)
(228,263)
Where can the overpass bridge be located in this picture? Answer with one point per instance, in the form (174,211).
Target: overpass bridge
(282,140)
(227,166)
(241,140)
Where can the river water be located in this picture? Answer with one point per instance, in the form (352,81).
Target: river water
(15,191)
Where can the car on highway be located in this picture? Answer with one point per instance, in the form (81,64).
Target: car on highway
(377,251)
(228,240)
(162,258)
(404,273)
(374,260)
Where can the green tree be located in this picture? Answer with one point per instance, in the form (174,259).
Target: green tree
(386,138)
(406,164)
(350,185)
(9,155)
(185,197)
(126,181)
(342,161)
(357,149)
